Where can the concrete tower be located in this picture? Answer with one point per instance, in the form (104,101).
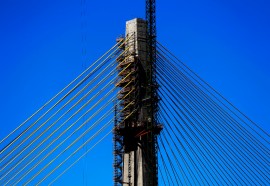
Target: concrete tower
(135,132)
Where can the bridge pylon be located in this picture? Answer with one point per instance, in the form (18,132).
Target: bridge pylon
(136,128)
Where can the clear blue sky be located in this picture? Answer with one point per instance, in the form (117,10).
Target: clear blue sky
(225,42)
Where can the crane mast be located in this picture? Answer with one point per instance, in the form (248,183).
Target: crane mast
(151,27)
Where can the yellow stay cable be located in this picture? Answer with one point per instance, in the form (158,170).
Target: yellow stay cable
(49,118)
(66,138)
(85,143)
(54,115)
